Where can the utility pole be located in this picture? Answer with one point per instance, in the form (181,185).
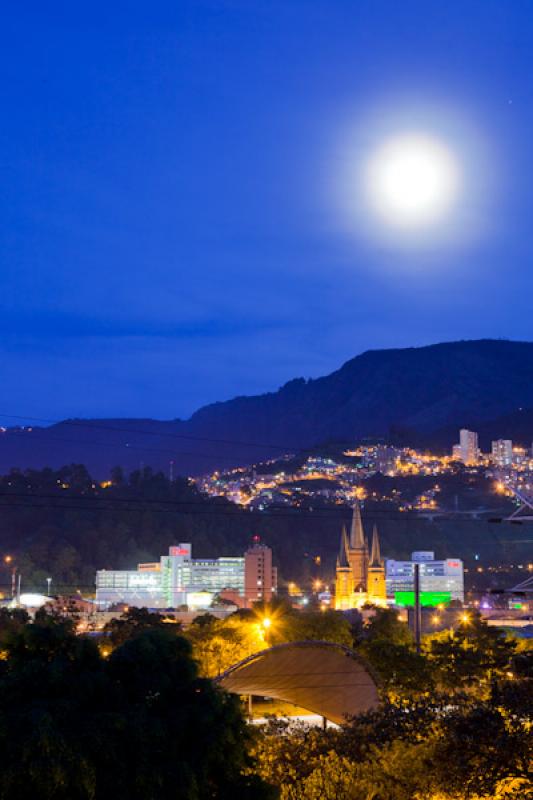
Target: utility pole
(417,609)
(18,588)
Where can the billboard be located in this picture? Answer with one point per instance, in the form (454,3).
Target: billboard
(426,598)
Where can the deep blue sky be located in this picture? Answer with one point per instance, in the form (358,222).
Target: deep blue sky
(173,218)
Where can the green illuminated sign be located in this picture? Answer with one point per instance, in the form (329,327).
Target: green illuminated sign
(426,598)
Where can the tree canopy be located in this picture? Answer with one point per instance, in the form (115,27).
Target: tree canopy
(138,724)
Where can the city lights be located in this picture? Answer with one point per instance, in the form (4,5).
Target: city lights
(264,264)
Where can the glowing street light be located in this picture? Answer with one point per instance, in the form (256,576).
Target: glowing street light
(8,561)
(262,627)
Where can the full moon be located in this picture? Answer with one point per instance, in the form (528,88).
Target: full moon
(412,181)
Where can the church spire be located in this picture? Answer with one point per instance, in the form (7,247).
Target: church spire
(357,535)
(375,558)
(342,559)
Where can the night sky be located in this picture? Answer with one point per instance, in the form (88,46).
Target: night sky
(180,214)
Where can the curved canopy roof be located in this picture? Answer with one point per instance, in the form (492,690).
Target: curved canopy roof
(325,678)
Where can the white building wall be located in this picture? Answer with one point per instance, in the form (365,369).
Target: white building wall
(435,576)
(178,576)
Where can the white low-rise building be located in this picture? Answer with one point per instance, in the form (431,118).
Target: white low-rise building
(177,580)
(437,578)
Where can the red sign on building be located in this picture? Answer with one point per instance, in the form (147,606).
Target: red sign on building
(179,551)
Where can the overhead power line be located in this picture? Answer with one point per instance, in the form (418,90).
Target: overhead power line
(80,424)
(110,445)
(183,507)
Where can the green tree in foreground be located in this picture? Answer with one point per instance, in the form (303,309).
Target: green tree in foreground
(11,623)
(329,626)
(218,644)
(133,622)
(470,654)
(385,626)
(289,624)
(388,646)
(439,748)
(140,725)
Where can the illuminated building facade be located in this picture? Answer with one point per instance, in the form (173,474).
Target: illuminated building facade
(260,577)
(502,452)
(441,580)
(177,579)
(468,447)
(360,574)
(456,452)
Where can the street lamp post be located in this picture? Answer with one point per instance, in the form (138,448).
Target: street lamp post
(264,627)
(8,560)
(417,609)
(48,582)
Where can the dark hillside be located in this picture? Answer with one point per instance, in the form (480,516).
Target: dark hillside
(420,394)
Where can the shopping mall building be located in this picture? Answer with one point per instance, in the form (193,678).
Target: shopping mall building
(178,580)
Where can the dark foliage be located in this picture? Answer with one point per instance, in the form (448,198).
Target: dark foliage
(63,524)
(141,724)
(134,622)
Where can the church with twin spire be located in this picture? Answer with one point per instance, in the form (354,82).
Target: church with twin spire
(360,573)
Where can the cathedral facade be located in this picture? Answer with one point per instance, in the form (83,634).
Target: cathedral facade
(360,573)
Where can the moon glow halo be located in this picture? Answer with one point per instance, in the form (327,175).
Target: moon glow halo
(412,181)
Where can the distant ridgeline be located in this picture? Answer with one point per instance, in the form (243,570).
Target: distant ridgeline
(414,396)
(63,524)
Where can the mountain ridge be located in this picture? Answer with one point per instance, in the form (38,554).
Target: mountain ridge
(421,392)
